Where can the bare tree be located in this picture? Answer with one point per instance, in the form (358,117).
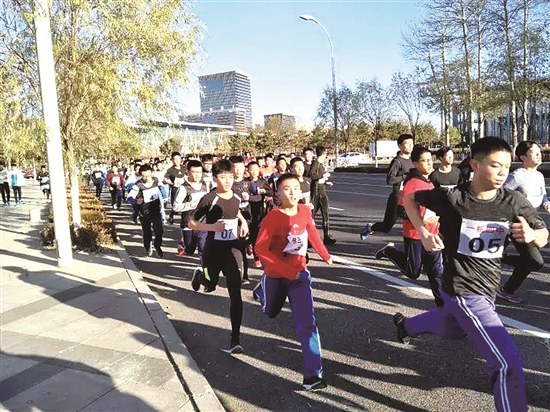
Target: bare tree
(407,92)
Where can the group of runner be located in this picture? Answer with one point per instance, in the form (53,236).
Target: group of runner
(456,223)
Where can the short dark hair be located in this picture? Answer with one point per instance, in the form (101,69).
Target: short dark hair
(296,159)
(320,150)
(286,176)
(222,166)
(207,157)
(252,163)
(236,159)
(417,152)
(442,151)
(523,147)
(403,137)
(307,149)
(193,163)
(271,155)
(489,145)
(145,168)
(174,154)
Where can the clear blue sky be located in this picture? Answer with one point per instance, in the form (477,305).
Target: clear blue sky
(288,58)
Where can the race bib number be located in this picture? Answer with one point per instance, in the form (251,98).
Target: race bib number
(45,186)
(297,244)
(97,175)
(150,195)
(482,239)
(230,232)
(428,214)
(115,180)
(178,181)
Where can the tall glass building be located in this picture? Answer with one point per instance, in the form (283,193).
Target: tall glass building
(226,99)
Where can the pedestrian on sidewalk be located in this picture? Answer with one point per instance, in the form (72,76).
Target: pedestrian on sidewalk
(17,180)
(97,179)
(282,247)
(146,195)
(43,178)
(5,185)
(218,214)
(475,220)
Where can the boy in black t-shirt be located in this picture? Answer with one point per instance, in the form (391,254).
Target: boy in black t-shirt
(475,219)
(218,214)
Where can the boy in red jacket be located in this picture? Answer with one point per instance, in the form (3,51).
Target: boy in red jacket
(282,247)
(410,261)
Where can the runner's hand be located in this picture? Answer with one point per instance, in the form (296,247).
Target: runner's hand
(243,231)
(430,241)
(522,232)
(217,227)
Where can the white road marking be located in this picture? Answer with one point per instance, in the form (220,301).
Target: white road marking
(363,194)
(336,208)
(524,327)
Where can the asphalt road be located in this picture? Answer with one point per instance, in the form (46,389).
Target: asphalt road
(366,368)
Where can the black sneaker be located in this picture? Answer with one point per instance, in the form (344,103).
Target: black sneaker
(314,384)
(399,322)
(382,252)
(208,289)
(159,252)
(196,280)
(234,349)
(329,241)
(171,220)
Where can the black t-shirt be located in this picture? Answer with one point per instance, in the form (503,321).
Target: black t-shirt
(239,188)
(306,189)
(445,180)
(474,233)
(176,176)
(213,208)
(255,197)
(399,167)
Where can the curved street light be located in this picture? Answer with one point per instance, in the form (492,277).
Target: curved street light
(307,17)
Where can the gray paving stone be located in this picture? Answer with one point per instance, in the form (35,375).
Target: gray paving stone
(69,390)
(9,338)
(12,365)
(149,371)
(45,320)
(132,396)
(26,379)
(83,329)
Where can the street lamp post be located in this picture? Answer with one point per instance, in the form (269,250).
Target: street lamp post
(307,17)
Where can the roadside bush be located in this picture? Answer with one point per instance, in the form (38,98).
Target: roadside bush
(97,231)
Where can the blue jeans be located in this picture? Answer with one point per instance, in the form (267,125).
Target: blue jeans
(272,294)
(474,316)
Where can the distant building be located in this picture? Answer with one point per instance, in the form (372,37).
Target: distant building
(226,99)
(280,123)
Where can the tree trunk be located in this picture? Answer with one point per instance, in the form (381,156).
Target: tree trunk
(467,64)
(510,73)
(74,183)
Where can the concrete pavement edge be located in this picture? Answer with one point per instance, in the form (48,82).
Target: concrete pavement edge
(190,375)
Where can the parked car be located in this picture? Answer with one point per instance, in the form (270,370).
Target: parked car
(351,159)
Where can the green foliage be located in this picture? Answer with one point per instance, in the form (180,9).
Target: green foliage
(169,146)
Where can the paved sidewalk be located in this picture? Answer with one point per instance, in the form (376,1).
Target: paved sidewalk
(92,337)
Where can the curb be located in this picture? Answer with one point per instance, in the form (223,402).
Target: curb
(194,383)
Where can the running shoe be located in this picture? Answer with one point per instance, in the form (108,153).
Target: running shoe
(181,248)
(509,296)
(329,241)
(257,263)
(245,282)
(171,220)
(149,252)
(399,322)
(249,250)
(380,254)
(196,280)
(234,349)
(314,384)
(366,232)
(208,289)
(159,252)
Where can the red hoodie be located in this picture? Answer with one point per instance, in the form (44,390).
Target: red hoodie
(416,184)
(282,242)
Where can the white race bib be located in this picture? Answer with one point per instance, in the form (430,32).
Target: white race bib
(178,181)
(428,214)
(297,244)
(230,232)
(115,180)
(482,239)
(97,175)
(45,187)
(150,195)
